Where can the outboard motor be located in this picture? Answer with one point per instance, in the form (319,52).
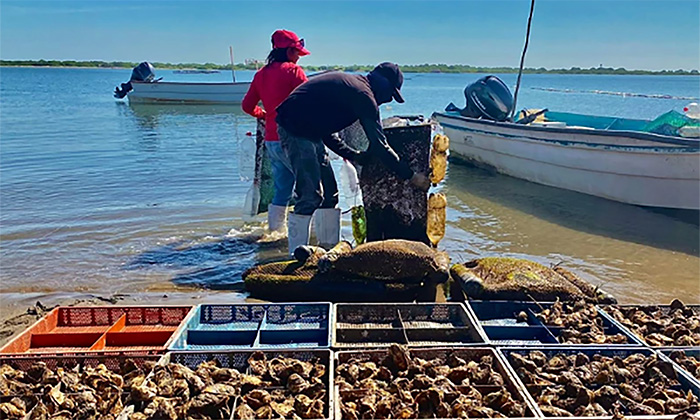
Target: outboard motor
(487,98)
(144,72)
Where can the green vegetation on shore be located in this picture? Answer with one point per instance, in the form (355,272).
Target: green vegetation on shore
(420,68)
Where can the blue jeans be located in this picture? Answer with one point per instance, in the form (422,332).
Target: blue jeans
(315,182)
(282,173)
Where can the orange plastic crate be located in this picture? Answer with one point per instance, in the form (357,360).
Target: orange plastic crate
(133,329)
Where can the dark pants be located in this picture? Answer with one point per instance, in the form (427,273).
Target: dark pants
(315,183)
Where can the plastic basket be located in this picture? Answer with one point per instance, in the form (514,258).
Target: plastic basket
(690,352)
(412,324)
(131,329)
(500,323)
(628,330)
(238,359)
(511,382)
(686,382)
(246,326)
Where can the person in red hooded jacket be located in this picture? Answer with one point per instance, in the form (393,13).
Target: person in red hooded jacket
(271,85)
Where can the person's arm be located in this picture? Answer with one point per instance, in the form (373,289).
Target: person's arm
(340,148)
(379,147)
(252,98)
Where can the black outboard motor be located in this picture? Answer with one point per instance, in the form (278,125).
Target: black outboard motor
(487,98)
(144,72)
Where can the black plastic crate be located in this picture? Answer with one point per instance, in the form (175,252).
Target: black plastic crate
(412,324)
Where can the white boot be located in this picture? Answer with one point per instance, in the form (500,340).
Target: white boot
(327,227)
(277,218)
(297,231)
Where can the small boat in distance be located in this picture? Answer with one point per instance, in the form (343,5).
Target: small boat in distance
(143,87)
(606,157)
(195,71)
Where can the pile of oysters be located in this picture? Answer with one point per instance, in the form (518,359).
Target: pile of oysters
(581,323)
(675,325)
(281,387)
(398,385)
(63,394)
(689,362)
(574,384)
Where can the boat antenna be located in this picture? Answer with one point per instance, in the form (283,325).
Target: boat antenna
(522,61)
(233,73)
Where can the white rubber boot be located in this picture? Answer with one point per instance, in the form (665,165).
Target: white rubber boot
(276,218)
(327,227)
(297,231)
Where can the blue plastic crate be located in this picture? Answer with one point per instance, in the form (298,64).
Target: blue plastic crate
(413,324)
(628,329)
(255,326)
(690,352)
(499,321)
(686,382)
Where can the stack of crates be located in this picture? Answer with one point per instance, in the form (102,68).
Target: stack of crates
(514,328)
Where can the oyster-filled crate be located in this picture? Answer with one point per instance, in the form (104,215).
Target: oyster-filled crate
(631,327)
(255,325)
(511,382)
(116,362)
(238,359)
(79,329)
(692,353)
(414,324)
(686,382)
(514,323)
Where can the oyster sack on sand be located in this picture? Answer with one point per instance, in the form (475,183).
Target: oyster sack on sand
(499,278)
(390,260)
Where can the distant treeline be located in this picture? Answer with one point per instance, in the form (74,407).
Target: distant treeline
(419,68)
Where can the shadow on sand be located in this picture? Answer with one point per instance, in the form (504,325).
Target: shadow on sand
(670,230)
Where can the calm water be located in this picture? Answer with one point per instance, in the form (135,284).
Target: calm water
(97,196)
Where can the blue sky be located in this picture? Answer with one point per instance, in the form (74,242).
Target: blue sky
(616,33)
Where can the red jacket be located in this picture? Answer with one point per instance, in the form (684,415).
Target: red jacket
(271,85)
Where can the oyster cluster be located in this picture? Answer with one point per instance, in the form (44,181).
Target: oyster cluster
(63,394)
(398,385)
(690,363)
(574,384)
(581,324)
(270,389)
(676,325)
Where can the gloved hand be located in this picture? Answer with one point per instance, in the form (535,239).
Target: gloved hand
(420,181)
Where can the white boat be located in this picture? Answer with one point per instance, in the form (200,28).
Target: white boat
(189,93)
(600,156)
(143,87)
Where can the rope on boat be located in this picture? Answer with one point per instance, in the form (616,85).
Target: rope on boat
(522,61)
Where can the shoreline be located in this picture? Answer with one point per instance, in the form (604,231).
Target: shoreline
(407,71)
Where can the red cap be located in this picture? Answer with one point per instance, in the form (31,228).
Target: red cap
(283,38)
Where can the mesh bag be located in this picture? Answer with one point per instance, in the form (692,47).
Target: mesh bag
(515,279)
(263,169)
(393,260)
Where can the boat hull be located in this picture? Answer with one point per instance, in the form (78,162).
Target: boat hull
(633,168)
(189,93)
